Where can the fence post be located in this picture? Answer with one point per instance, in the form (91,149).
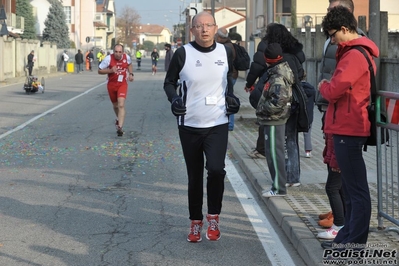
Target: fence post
(362,23)
(384,34)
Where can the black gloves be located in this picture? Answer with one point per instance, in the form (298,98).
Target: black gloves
(178,107)
(232,104)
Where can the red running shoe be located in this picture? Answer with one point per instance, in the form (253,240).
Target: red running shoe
(213,232)
(195,231)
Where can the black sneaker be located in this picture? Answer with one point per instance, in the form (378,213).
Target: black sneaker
(119,131)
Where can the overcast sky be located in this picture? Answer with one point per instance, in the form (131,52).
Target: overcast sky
(161,12)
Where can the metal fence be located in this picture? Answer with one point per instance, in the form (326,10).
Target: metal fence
(388,161)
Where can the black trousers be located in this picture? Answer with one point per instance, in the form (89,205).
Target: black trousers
(207,146)
(30,68)
(336,196)
(349,153)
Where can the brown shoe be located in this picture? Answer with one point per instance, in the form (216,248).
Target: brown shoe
(325,215)
(328,222)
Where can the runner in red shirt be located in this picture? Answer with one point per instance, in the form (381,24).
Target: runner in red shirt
(119,68)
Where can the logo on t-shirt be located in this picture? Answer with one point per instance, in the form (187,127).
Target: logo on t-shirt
(198,63)
(219,62)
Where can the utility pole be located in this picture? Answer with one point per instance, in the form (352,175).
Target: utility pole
(374,32)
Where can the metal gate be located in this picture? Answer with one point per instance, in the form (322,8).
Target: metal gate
(388,161)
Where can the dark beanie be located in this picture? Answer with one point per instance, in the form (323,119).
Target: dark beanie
(273,53)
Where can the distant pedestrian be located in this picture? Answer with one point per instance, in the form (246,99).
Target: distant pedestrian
(65,59)
(138,59)
(31,60)
(79,61)
(90,58)
(87,60)
(100,56)
(154,60)
(168,56)
(273,111)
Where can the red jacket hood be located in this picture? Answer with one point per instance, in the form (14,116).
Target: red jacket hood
(365,42)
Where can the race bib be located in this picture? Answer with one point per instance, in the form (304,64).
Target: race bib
(211,100)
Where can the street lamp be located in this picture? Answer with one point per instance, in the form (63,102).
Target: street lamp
(3,18)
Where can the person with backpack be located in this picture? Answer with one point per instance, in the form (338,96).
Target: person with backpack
(348,95)
(294,55)
(272,113)
(222,36)
(334,219)
(64,59)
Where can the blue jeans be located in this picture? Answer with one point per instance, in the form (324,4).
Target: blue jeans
(349,153)
(79,68)
(231,117)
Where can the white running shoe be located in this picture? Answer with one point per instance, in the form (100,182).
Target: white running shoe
(292,184)
(271,193)
(330,233)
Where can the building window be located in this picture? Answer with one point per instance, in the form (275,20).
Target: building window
(67,11)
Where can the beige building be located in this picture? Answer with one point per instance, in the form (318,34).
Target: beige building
(91,20)
(95,20)
(154,33)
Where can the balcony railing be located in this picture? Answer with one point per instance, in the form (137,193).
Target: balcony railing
(302,20)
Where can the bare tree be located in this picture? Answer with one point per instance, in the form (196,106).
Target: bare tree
(128,24)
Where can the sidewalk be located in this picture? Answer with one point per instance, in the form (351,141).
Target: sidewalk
(21,80)
(297,213)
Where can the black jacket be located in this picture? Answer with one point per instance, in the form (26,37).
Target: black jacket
(79,58)
(30,59)
(258,65)
(295,58)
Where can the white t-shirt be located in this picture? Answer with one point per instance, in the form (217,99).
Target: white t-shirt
(66,57)
(205,76)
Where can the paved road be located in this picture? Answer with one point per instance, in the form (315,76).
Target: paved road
(73,193)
